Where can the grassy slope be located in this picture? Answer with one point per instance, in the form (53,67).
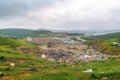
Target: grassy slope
(67,72)
(103,43)
(8,45)
(47,70)
(13,43)
(105,46)
(8,55)
(109,36)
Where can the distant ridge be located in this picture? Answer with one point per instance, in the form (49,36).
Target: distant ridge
(21,32)
(28,32)
(109,35)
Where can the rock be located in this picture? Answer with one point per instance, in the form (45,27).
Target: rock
(32,70)
(89,70)
(51,45)
(12,64)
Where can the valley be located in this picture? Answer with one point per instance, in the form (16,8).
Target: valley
(66,50)
(59,56)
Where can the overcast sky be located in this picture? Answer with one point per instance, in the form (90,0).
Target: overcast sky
(60,14)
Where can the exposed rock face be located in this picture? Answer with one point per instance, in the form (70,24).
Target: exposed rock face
(32,70)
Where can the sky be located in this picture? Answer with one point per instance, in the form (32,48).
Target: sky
(60,14)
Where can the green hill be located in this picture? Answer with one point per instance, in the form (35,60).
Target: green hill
(103,43)
(14,32)
(103,37)
(105,46)
(108,36)
(14,43)
(21,32)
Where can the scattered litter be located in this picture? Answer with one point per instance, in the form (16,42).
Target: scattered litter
(89,70)
(12,64)
(104,78)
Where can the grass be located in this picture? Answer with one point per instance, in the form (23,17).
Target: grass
(105,46)
(8,48)
(64,71)
(7,52)
(48,70)
(13,43)
(28,45)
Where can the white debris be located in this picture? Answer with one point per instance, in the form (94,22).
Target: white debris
(12,64)
(87,56)
(43,56)
(89,70)
(51,59)
(104,78)
(29,39)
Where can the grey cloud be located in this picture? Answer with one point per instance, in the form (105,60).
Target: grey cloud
(12,8)
(49,15)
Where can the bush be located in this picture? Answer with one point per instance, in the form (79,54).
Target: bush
(96,76)
(1,74)
(6,69)
(2,57)
(110,76)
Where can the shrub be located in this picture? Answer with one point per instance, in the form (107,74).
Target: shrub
(111,76)
(1,74)
(2,57)
(6,69)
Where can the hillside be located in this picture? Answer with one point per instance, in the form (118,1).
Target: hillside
(103,43)
(21,32)
(108,36)
(20,60)
(102,36)
(105,46)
